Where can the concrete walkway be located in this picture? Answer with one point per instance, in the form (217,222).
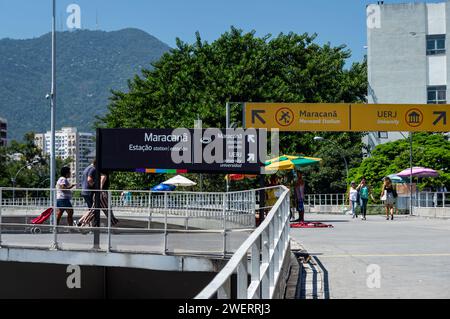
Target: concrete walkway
(405,258)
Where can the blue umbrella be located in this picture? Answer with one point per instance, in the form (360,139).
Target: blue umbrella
(163,188)
(396,179)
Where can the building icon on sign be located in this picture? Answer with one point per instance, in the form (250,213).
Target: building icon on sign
(414,117)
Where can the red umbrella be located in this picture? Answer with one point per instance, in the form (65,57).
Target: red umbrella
(239,177)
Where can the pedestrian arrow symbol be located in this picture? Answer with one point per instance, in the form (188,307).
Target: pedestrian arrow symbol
(251,138)
(441,117)
(251,157)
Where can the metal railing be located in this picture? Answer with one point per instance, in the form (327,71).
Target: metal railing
(433,199)
(420,199)
(325,199)
(151,222)
(267,246)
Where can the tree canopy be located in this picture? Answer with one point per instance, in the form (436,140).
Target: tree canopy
(196,80)
(429,150)
(14,160)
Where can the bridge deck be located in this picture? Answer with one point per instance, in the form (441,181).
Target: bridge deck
(178,243)
(413,255)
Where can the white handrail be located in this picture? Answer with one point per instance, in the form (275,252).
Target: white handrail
(269,241)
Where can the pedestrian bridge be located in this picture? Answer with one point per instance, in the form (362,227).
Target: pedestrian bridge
(176,231)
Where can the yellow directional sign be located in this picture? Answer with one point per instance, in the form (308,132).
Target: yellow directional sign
(401,117)
(298,117)
(348,117)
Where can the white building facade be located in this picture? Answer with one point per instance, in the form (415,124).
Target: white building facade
(70,144)
(407,57)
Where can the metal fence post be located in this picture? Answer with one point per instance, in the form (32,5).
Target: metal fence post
(256,265)
(242,279)
(55,226)
(224,292)
(1,208)
(265,280)
(224,224)
(186,222)
(149,210)
(165,222)
(271,254)
(253,208)
(108,248)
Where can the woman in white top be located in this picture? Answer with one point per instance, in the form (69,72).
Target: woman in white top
(63,196)
(353,198)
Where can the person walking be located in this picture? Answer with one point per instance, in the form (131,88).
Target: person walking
(353,198)
(63,196)
(364,192)
(88,218)
(271,198)
(388,195)
(88,183)
(299,192)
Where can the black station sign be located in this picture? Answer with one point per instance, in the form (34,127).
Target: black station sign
(180,150)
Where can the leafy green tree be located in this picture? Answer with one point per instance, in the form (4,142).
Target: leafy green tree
(196,80)
(429,150)
(13,162)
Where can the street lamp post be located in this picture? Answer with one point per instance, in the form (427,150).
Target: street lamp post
(53,105)
(14,179)
(320,139)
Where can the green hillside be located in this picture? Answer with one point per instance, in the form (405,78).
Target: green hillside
(89,65)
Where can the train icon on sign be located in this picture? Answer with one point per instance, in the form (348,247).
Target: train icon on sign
(414,117)
(285,117)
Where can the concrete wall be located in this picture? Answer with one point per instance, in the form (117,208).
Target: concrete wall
(281,286)
(432,212)
(326,209)
(42,281)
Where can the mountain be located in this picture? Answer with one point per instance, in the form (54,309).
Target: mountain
(89,64)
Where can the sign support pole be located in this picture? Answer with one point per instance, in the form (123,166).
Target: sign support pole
(227,125)
(410,177)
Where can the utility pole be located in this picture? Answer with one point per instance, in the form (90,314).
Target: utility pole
(52,108)
(411,173)
(227,125)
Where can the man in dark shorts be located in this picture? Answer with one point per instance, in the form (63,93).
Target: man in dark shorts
(87,183)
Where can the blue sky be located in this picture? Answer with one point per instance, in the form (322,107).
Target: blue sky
(335,21)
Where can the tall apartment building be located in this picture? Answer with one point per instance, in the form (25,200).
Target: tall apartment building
(69,143)
(407,57)
(3,132)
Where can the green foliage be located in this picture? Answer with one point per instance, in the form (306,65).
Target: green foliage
(89,64)
(196,80)
(429,150)
(34,176)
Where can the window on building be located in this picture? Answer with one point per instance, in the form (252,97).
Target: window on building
(436,44)
(437,95)
(382,134)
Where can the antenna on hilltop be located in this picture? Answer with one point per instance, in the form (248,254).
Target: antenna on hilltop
(96,19)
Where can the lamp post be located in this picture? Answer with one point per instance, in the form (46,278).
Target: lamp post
(320,139)
(53,105)
(14,179)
